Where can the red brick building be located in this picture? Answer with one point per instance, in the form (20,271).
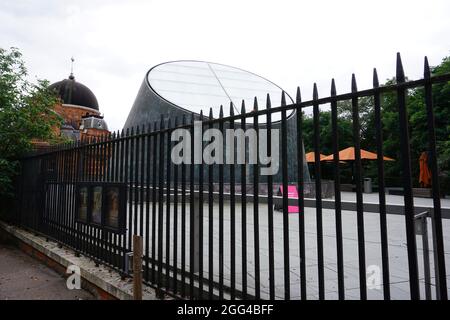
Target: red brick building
(79,109)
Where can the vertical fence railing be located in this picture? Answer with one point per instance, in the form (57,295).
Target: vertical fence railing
(407,183)
(437,220)
(301,207)
(256,237)
(211,255)
(221,216)
(337,194)
(359,197)
(232,218)
(381,188)
(270,204)
(219,252)
(318,194)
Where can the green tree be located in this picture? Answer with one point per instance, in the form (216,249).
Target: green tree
(26,112)
(366,120)
(326,135)
(418,122)
(418,129)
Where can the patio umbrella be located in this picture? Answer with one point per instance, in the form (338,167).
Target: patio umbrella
(349,155)
(425,173)
(310,158)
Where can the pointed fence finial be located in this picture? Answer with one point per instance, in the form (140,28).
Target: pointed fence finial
(255,104)
(400,74)
(283,98)
(268,103)
(243,107)
(333,87)
(426,69)
(231,109)
(354,86)
(221,112)
(376,83)
(298,96)
(315,92)
(210,114)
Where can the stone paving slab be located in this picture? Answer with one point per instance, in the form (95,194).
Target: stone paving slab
(396,237)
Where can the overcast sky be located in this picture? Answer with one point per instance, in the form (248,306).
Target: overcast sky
(292,43)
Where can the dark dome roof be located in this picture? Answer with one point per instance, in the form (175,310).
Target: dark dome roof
(72,92)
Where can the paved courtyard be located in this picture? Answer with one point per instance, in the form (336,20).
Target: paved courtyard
(396,236)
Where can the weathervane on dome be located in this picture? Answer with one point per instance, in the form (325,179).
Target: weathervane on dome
(71,68)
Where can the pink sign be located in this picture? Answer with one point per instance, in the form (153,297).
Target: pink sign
(292,194)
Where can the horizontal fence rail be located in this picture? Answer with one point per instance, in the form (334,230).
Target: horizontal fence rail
(225,230)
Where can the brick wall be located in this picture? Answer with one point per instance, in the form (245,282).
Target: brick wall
(73,114)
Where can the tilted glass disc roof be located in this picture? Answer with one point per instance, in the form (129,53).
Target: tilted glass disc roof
(198,85)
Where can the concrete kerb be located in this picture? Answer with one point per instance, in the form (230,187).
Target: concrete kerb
(105,281)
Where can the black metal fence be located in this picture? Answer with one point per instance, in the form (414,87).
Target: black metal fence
(204,240)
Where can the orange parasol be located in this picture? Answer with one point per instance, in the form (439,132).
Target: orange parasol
(349,155)
(310,157)
(424,174)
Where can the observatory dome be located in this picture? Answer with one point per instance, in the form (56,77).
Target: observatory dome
(75,93)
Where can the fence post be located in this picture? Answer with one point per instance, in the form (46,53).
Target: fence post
(137,267)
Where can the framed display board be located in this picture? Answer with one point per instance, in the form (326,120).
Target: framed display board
(102,204)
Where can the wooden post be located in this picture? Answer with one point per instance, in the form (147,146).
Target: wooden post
(137,267)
